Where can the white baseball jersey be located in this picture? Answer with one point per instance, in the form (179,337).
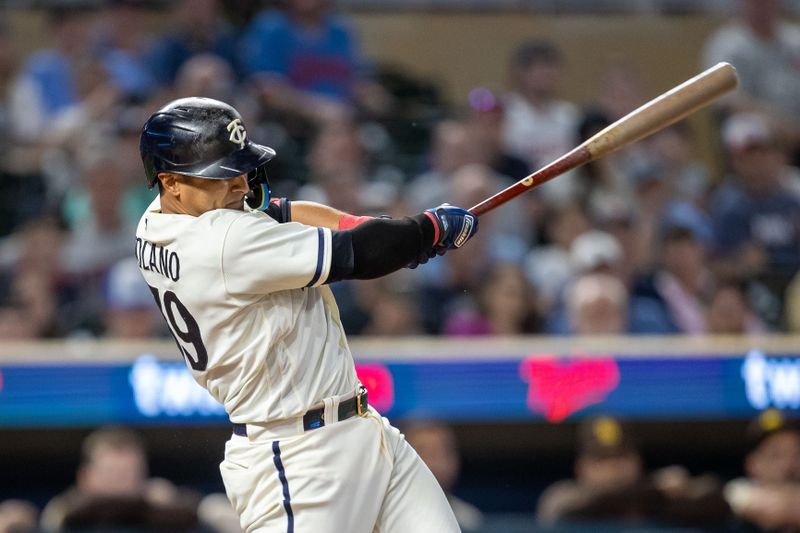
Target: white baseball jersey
(242,294)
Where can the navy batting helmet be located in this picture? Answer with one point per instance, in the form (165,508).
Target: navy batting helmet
(204,138)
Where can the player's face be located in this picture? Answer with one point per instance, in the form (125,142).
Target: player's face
(198,195)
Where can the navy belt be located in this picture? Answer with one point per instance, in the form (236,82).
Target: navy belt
(315,418)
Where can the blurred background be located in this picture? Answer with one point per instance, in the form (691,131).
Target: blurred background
(616,350)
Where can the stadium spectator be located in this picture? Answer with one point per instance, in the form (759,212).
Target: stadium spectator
(503,305)
(600,184)
(620,91)
(453,146)
(48,83)
(611,485)
(112,490)
(728,311)
(539,126)
(756,218)
(682,281)
(765,49)
(216,513)
(32,281)
(206,75)
(437,446)
(597,300)
(597,304)
(99,235)
(128,310)
(196,27)
(486,118)
(766,499)
(687,177)
(445,285)
(549,266)
(340,173)
(18,516)
(394,312)
(120,45)
(651,196)
(306,61)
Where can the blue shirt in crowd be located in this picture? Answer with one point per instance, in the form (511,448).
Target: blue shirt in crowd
(323,60)
(771,221)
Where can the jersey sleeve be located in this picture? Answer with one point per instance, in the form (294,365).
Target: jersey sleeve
(261,256)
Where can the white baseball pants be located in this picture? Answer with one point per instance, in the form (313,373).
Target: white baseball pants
(354,476)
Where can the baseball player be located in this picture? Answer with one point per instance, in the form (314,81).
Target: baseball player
(240,280)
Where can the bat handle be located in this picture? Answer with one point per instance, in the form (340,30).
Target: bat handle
(577,157)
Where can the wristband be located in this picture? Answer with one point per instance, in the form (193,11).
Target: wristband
(435,227)
(351,221)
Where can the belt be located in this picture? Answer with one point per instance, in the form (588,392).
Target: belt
(315,418)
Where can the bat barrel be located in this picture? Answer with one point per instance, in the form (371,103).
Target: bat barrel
(672,106)
(657,114)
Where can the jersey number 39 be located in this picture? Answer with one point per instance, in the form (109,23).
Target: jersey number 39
(192,333)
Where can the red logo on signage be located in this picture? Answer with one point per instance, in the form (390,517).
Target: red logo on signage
(559,388)
(378,381)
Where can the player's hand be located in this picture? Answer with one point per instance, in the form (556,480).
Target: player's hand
(455,226)
(426,255)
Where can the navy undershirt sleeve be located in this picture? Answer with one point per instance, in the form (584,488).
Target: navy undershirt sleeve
(379,247)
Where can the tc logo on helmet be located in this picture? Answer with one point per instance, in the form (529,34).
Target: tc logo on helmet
(238,133)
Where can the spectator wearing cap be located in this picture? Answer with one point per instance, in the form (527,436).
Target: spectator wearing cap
(607,467)
(548,266)
(766,498)
(610,485)
(681,281)
(597,304)
(756,218)
(539,125)
(597,298)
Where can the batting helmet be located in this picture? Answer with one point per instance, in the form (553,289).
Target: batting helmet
(204,138)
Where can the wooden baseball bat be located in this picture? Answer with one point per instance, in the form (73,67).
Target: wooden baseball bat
(656,114)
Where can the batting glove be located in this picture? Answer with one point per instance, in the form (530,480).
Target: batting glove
(454,226)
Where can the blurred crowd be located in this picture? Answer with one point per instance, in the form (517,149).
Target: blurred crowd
(650,240)
(611,489)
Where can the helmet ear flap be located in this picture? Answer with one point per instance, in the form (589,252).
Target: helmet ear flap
(258,197)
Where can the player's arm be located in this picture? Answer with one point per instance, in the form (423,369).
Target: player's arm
(312,214)
(261,258)
(380,246)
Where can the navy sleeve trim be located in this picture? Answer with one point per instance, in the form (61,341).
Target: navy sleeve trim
(320,257)
(341,256)
(280,210)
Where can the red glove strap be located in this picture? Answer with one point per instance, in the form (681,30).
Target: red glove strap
(351,221)
(435,227)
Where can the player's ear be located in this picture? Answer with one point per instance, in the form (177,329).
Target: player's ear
(168,183)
